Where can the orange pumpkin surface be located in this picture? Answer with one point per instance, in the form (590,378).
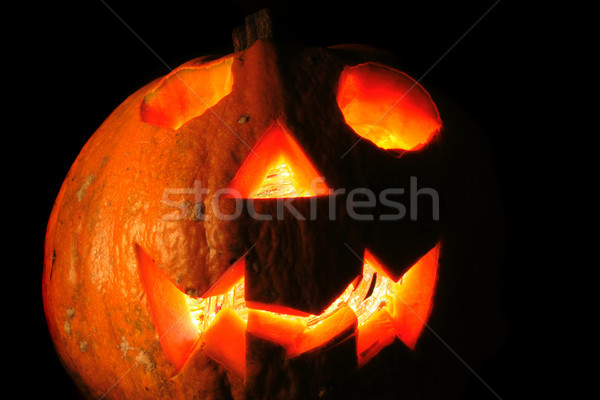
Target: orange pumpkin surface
(154,287)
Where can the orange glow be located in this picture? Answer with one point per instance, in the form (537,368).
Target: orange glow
(204,310)
(279,183)
(374,335)
(387,107)
(277,168)
(174,324)
(298,334)
(413,298)
(407,306)
(187,93)
(226,293)
(225,341)
(277,309)
(378,307)
(228,280)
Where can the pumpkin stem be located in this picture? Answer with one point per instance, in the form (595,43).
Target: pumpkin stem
(256,26)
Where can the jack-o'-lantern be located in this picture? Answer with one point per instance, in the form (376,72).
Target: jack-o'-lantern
(243,227)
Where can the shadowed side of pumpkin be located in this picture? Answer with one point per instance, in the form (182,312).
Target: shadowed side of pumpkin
(166,298)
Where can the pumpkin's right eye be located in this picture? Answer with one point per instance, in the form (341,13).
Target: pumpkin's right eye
(187,93)
(387,107)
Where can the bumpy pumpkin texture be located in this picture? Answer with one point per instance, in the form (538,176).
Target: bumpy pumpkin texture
(129,200)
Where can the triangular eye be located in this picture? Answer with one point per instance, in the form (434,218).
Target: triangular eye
(387,107)
(187,93)
(277,168)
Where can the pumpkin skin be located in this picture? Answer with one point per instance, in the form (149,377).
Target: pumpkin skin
(95,303)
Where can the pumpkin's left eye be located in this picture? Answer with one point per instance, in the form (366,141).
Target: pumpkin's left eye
(387,107)
(187,93)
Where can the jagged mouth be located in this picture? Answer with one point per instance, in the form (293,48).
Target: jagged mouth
(373,307)
(364,296)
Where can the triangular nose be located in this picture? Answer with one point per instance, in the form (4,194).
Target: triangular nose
(277,168)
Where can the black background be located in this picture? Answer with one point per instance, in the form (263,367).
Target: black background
(84,61)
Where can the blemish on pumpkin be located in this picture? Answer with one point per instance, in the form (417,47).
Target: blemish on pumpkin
(198,212)
(144,359)
(52,263)
(234,157)
(135,322)
(124,347)
(70,313)
(256,268)
(83,345)
(74,263)
(243,119)
(81,192)
(134,204)
(67,327)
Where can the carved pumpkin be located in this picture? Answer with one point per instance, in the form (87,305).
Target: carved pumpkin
(215,238)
